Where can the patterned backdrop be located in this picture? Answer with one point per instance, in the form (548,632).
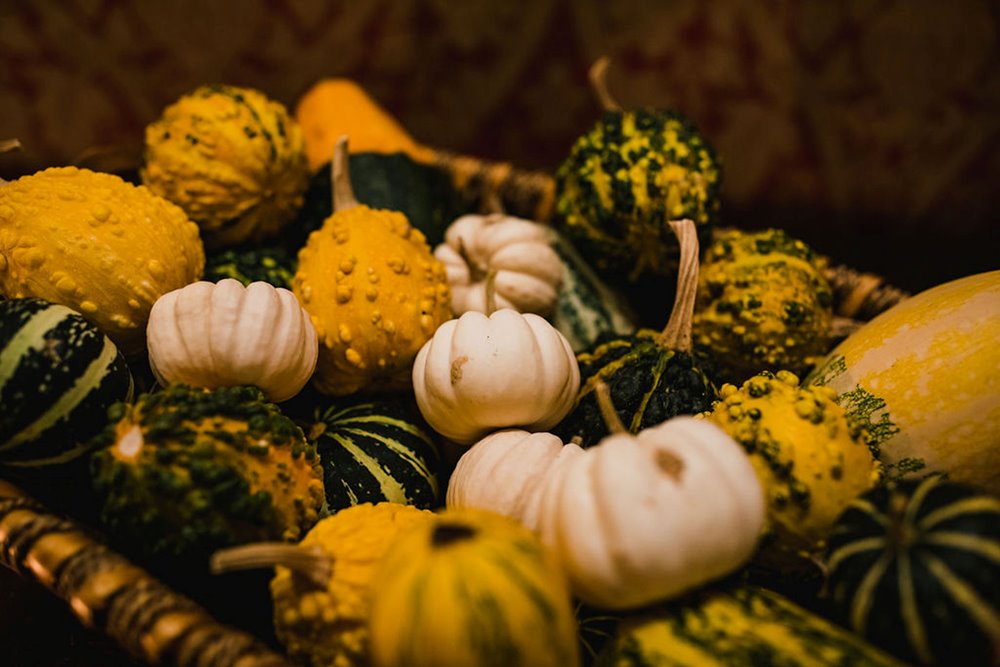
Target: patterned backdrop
(871,117)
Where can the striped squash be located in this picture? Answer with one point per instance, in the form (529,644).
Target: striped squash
(915,568)
(380,451)
(58,376)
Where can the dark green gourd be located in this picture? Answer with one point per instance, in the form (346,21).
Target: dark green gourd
(272,265)
(915,568)
(652,375)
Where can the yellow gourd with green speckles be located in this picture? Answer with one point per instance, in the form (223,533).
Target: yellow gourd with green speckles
(96,244)
(374,291)
(233,159)
(811,460)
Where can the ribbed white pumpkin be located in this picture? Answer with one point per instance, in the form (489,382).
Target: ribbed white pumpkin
(505,472)
(479,374)
(640,518)
(224,334)
(528,270)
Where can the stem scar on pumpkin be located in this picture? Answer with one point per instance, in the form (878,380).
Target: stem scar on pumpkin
(456,368)
(311,563)
(449,533)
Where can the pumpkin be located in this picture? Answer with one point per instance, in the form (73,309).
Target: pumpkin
(505,472)
(269,264)
(322,587)
(470,588)
(625,179)
(97,245)
(528,271)
(333,107)
(373,290)
(185,471)
(376,451)
(480,373)
(763,304)
(58,376)
(811,460)
(641,518)
(232,158)
(224,335)
(915,569)
(736,625)
(922,378)
(652,375)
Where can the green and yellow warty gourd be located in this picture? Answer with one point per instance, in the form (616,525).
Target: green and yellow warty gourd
(96,244)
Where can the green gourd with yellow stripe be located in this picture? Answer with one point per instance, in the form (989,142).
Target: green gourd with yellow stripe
(915,568)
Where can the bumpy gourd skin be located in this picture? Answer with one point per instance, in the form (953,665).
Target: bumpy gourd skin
(375,294)
(811,460)
(233,159)
(94,243)
(185,472)
(626,179)
(328,626)
(763,304)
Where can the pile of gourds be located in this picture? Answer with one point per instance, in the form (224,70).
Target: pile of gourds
(445,429)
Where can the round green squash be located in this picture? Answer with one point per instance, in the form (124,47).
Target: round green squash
(915,569)
(269,264)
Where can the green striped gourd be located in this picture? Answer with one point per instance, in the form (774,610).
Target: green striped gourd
(737,626)
(58,376)
(915,568)
(271,265)
(380,451)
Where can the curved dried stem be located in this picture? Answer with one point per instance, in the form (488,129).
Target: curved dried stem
(8,145)
(340,177)
(677,334)
(612,421)
(309,562)
(598,76)
(491,292)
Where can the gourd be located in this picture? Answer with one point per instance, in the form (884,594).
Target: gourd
(652,375)
(377,451)
(763,304)
(232,158)
(736,625)
(225,335)
(528,271)
(810,458)
(626,178)
(58,376)
(373,290)
(97,245)
(922,378)
(637,519)
(269,264)
(915,569)
(322,587)
(506,471)
(470,588)
(185,471)
(333,107)
(484,372)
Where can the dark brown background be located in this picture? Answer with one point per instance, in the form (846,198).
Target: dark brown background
(869,128)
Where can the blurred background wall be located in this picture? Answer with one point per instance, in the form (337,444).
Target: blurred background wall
(869,128)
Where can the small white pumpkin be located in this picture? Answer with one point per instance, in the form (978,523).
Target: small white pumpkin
(528,270)
(482,373)
(224,334)
(641,518)
(505,472)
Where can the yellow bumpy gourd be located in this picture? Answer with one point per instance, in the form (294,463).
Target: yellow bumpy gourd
(233,159)
(96,244)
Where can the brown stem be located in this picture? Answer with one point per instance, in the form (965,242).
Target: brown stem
(491,292)
(677,334)
(340,177)
(492,205)
(598,76)
(6,146)
(310,562)
(610,416)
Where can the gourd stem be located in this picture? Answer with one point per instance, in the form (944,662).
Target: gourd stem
(598,76)
(492,205)
(6,146)
(677,334)
(612,421)
(310,562)
(340,177)
(491,292)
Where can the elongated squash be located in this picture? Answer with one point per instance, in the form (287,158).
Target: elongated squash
(923,378)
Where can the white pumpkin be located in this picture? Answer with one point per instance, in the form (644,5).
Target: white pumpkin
(641,518)
(505,472)
(481,373)
(224,334)
(528,270)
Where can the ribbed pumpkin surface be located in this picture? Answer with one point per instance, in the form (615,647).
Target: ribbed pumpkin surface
(916,569)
